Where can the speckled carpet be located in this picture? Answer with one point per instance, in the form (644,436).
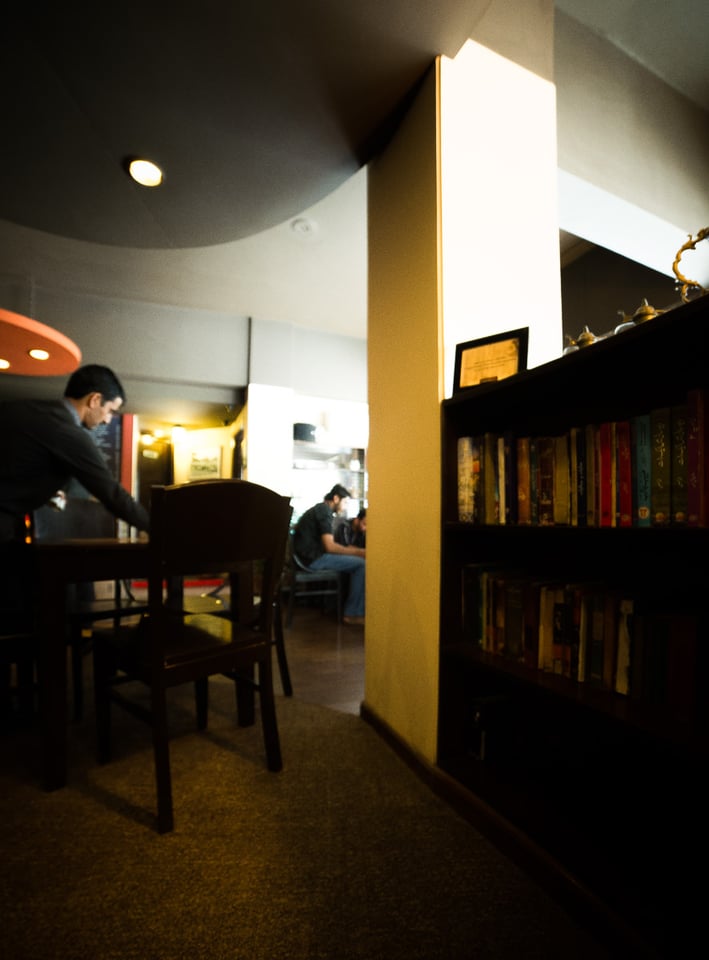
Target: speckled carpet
(344,854)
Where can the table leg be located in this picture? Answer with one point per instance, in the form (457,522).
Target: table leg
(52,677)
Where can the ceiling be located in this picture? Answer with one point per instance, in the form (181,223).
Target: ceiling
(262,116)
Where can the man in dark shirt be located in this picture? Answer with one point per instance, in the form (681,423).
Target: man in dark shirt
(46,442)
(315,545)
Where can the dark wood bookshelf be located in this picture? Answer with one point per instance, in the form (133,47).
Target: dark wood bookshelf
(607,785)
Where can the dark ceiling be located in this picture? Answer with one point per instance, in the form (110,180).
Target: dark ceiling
(255,110)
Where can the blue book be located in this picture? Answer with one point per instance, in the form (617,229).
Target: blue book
(641,468)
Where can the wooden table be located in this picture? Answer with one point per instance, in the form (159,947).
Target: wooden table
(60,563)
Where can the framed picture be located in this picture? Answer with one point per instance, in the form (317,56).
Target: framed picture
(205,463)
(490,358)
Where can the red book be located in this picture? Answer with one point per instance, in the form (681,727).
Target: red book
(624,479)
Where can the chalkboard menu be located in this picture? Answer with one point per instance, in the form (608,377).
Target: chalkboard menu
(108,440)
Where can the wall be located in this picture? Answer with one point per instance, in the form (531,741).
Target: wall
(308,361)
(406,386)
(417,268)
(633,153)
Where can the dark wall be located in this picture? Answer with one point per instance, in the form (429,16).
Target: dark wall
(600,283)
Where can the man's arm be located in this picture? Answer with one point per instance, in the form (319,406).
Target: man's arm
(330,545)
(84,461)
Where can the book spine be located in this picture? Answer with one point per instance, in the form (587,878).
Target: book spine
(624,480)
(510,473)
(623,653)
(545,658)
(610,640)
(524,488)
(491,472)
(502,488)
(606,505)
(477,480)
(465,479)
(545,490)
(581,479)
(573,478)
(561,496)
(678,464)
(559,631)
(595,644)
(591,434)
(695,456)
(660,467)
(641,458)
(534,480)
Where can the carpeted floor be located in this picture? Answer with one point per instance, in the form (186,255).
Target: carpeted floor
(344,854)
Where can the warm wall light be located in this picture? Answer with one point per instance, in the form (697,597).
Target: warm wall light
(146,173)
(178,433)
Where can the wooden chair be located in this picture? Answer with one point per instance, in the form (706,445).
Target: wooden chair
(210,526)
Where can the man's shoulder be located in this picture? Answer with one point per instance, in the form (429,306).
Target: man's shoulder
(33,408)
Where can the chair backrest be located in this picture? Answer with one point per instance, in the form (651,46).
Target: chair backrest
(219,526)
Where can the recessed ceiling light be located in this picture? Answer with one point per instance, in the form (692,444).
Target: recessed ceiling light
(304,227)
(146,173)
(37,354)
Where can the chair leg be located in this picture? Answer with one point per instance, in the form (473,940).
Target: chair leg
(77,671)
(161,750)
(201,700)
(102,702)
(269,722)
(281,648)
(291,603)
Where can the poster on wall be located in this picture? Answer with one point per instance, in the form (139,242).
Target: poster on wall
(205,463)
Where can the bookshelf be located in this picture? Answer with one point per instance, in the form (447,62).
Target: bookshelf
(602,777)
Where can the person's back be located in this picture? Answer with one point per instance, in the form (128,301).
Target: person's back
(309,530)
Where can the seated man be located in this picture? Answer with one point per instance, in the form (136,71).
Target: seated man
(353,533)
(315,545)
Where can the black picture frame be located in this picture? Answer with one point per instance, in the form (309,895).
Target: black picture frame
(488,359)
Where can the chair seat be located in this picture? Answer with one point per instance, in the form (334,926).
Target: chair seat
(82,615)
(304,582)
(196,638)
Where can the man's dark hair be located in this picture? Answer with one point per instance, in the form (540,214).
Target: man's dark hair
(94,378)
(362,513)
(338,491)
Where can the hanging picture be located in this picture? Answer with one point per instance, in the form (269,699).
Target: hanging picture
(205,463)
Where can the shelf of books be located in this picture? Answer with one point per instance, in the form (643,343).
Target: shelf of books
(575,566)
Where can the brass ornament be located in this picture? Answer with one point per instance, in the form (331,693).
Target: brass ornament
(683,284)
